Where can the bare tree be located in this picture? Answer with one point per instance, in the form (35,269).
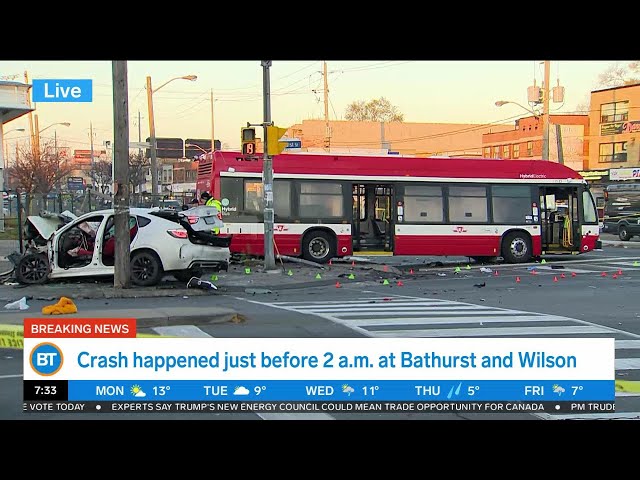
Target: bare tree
(584,107)
(37,171)
(138,168)
(101,175)
(619,75)
(376,110)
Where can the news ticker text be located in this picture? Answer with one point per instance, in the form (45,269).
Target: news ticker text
(318,407)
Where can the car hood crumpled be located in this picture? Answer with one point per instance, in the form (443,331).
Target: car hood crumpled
(47,223)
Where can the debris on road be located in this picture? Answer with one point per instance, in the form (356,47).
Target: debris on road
(18,304)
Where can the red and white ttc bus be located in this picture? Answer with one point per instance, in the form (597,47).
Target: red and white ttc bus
(329,205)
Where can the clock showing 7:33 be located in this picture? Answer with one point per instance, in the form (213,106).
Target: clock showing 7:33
(45,390)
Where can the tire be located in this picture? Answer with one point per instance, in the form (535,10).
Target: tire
(185,275)
(318,246)
(516,248)
(32,269)
(623,233)
(146,268)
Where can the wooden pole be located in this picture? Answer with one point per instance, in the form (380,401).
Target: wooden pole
(122,277)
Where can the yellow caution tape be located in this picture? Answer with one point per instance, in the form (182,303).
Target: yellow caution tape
(628,386)
(11,336)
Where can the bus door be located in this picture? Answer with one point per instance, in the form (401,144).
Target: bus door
(372,223)
(559,218)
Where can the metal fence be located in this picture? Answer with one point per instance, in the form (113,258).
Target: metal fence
(16,210)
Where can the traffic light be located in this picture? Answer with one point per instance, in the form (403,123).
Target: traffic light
(248,137)
(274,145)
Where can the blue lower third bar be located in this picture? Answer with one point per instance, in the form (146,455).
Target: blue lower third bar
(341,390)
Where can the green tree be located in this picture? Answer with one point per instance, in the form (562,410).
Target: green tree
(376,110)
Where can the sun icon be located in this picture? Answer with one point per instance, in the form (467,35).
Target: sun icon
(136,389)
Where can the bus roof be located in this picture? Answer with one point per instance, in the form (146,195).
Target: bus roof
(323,165)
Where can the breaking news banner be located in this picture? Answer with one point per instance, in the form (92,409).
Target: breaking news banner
(99,365)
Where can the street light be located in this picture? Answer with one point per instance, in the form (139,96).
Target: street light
(66,124)
(152,131)
(39,132)
(196,146)
(500,103)
(6,156)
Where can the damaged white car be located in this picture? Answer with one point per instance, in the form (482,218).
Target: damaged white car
(162,242)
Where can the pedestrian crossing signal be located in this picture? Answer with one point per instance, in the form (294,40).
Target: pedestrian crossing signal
(248,137)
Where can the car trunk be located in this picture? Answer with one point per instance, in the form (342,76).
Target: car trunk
(197,237)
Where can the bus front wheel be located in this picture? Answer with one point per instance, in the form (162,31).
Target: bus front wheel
(516,248)
(318,246)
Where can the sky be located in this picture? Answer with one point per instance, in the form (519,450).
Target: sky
(424,91)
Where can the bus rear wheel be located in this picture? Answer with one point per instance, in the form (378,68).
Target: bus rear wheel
(318,246)
(516,248)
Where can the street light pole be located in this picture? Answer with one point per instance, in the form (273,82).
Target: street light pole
(545,114)
(152,132)
(152,141)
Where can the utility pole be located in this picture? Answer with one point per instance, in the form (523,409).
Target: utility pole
(327,134)
(267,172)
(545,112)
(559,143)
(36,137)
(213,141)
(122,275)
(26,80)
(152,140)
(91,140)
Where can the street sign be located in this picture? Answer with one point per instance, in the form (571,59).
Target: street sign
(294,144)
(75,183)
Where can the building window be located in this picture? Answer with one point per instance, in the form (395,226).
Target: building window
(614,112)
(496,152)
(613,152)
(516,150)
(487,152)
(505,151)
(529,149)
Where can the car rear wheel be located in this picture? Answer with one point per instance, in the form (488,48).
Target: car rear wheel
(623,233)
(146,269)
(32,269)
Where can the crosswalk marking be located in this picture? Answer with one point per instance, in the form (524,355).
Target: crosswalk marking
(398,316)
(557,271)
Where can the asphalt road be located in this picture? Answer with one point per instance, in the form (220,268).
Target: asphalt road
(595,305)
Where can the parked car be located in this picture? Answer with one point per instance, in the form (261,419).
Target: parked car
(161,242)
(622,210)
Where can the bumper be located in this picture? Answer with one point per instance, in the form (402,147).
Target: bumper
(204,256)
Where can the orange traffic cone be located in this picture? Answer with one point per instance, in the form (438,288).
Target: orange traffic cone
(400,284)
(495,274)
(562,275)
(603,274)
(385,268)
(353,263)
(614,276)
(619,271)
(574,274)
(555,279)
(411,271)
(533,272)
(517,279)
(330,263)
(338,285)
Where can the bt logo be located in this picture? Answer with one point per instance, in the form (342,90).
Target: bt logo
(46,359)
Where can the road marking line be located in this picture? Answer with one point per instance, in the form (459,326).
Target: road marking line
(2,377)
(392,321)
(188,331)
(491,332)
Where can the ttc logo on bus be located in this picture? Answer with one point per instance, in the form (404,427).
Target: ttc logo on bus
(46,359)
